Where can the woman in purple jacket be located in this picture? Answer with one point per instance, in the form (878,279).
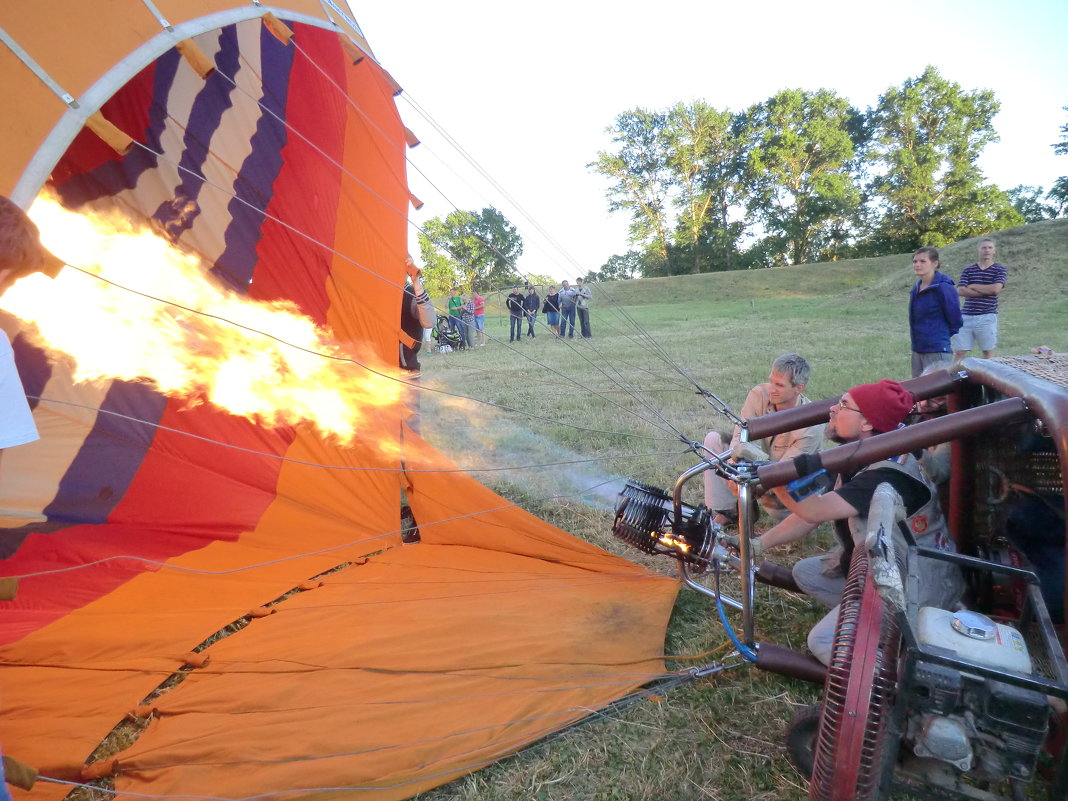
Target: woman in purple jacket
(934,312)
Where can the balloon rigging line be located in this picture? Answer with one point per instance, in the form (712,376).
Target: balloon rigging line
(650,407)
(285,123)
(288,126)
(526,380)
(493,183)
(655,346)
(478,167)
(489,178)
(308,554)
(488,727)
(329,249)
(355,468)
(607,712)
(348,359)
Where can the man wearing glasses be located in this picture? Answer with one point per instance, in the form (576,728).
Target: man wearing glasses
(863,412)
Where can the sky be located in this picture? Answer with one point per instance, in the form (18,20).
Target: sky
(527,90)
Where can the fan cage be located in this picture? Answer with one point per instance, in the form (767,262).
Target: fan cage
(852,746)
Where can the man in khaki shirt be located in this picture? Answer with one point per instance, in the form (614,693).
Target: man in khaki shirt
(789,374)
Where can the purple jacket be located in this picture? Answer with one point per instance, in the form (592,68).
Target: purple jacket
(934,315)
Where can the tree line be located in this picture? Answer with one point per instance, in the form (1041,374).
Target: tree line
(805,177)
(801,177)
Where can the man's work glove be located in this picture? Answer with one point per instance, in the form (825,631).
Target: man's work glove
(748,452)
(756,546)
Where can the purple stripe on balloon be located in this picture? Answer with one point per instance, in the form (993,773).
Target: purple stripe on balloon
(253,187)
(101,472)
(116,176)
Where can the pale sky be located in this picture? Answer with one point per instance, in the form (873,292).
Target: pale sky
(529,89)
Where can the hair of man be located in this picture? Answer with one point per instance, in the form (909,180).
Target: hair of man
(20,243)
(794,366)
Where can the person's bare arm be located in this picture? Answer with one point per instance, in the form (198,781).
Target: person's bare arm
(789,530)
(986,290)
(816,509)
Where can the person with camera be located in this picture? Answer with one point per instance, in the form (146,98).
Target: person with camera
(21,253)
(568,298)
(582,306)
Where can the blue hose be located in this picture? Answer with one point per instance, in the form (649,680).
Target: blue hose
(746,652)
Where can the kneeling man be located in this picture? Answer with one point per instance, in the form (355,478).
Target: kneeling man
(863,412)
(789,374)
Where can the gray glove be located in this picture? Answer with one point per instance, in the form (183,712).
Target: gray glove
(748,452)
(756,546)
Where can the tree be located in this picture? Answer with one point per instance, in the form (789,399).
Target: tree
(469,248)
(1058,193)
(1028,201)
(800,172)
(1058,196)
(618,268)
(705,162)
(640,177)
(1061,147)
(927,135)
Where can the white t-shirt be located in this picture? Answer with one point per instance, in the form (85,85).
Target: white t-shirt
(16,420)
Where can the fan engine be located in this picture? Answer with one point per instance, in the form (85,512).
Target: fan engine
(988,728)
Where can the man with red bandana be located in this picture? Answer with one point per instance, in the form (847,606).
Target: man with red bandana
(862,412)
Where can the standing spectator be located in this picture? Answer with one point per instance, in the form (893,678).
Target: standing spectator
(20,254)
(567,310)
(480,317)
(515,313)
(455,310)
(582,303)
(417,316)
(551,308)
(467,321)
(531,304)
(934,312)
(980,285)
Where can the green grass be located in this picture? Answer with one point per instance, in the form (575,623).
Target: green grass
(719,738)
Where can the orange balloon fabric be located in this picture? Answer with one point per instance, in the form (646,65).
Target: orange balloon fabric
(142,525)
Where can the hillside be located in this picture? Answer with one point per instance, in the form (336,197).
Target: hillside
(1036,255)
(719,738)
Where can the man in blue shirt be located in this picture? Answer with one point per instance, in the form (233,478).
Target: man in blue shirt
(980,284)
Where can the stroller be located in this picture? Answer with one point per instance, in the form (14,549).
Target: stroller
(447,334)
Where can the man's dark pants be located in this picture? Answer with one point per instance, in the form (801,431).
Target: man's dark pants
(584,322)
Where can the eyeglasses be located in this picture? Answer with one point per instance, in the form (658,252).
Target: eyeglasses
(842,405)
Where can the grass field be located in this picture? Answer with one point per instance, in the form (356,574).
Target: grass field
(620,399)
